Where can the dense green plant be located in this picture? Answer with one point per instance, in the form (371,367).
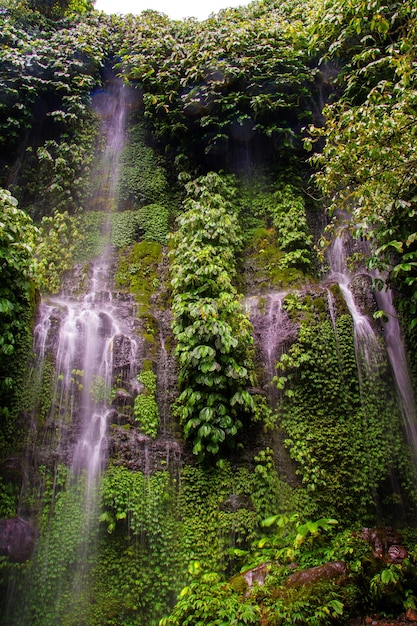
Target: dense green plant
(17,301)
(56,9)
(212,333)
(241,76)
(289,218)
(331,421)
(125,228)
(211,601)
(141,563)
(18,270)
(149,223)
(89,240)
(142,178)
(221,510)
(277,238)
(8,499)
(44,80)
(145,410)
(65,537)
(367,165)
(56,249)
(155,222)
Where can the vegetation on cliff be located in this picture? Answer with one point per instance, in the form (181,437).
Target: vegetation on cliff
(242,130)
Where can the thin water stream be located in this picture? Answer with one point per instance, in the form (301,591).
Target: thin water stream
(397,356)
(380,355)
(273,331)
(369,351)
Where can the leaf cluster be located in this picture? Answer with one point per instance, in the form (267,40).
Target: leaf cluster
(145,409)
(212,334)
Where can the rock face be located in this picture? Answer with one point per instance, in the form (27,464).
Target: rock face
(335,570)
(17,539)
(385,543)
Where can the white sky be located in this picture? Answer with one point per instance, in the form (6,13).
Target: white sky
(175,9)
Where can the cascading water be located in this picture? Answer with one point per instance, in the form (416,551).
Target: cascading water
(399,366)
(273,331)
(376,350)
(91,343)
(367,343)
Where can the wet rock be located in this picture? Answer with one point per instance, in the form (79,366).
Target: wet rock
(17,539)
(335,570)
(131,448)
(122,398)
(243,582)
(361,287)
(385,543)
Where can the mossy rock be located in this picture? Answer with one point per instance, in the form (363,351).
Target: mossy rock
(138,272)
(263,261)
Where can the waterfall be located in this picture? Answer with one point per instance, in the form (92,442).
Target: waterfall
(273,330)
(399,367)
(88,325)
(89,341)
(367,343)
(383,373)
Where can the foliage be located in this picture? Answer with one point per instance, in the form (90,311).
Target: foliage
(149,223)
(88,237)
(142,177)
(17,243)
(367,166)
(17,301)
(230,92)
(55,573)
(55,9)
(239,77)
(125,228)
(289,219)
(154,220)
(331,422)
(44,80)
(211,601)
(146,409)
(8,499)
(55,249)
(213,335)
(141,563)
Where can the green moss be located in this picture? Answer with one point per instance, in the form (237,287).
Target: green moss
(264,258)
(138,272)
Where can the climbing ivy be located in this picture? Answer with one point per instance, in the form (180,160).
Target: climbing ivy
(212,333)
(141,563)
(18,273)
(146,409)
(142,177)
(332,419)
(56,248)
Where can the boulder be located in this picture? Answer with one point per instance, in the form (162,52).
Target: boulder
(385,543)
(17,539)
(335,570)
